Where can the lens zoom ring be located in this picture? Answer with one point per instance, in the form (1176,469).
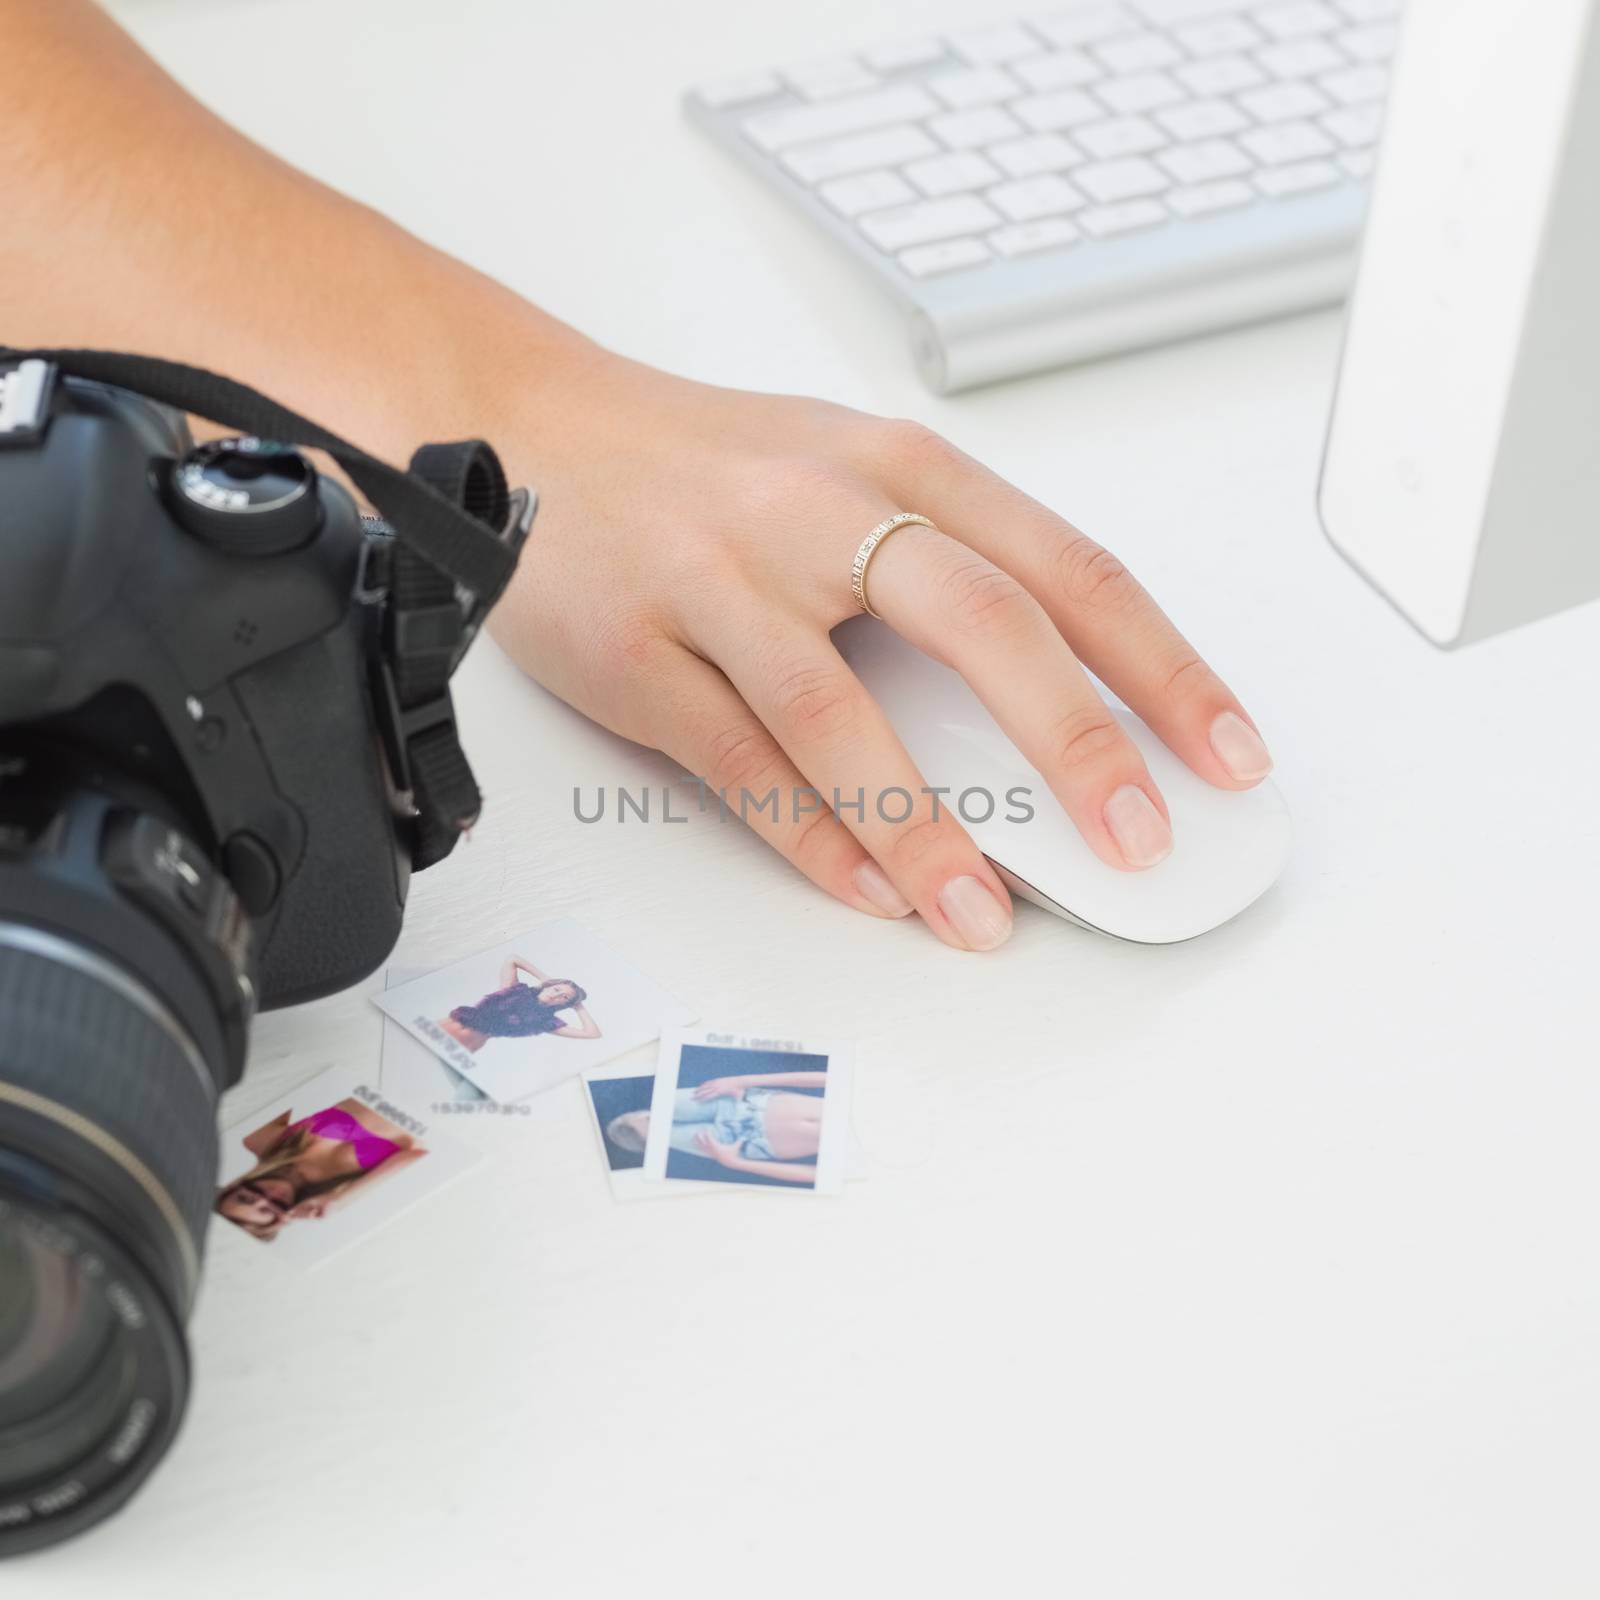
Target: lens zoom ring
(68,1036)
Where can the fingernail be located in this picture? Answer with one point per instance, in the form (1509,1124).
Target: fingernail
(873,886)
(1142,833)
(980,921)
(1239,748)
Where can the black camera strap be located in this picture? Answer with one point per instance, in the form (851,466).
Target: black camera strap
(457,539)
(426,633)
(450,516)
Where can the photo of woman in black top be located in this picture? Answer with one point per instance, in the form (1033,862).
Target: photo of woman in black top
(521,1009)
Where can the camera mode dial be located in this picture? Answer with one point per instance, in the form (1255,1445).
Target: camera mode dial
(248,496)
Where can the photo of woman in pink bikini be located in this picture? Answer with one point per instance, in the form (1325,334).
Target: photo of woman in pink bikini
(308,1167)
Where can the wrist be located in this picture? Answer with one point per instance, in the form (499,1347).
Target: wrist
(539,391)
(482,363)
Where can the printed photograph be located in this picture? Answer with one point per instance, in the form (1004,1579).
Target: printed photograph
(616,1096)
(617,1104)
(545,1006)
(526,1003)
(327,1165)
(306,1169)
(729,1110)
(412,1074)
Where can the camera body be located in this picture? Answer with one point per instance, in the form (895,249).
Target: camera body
(226,741)
(163,655)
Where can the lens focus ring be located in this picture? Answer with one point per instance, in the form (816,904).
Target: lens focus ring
(100,1074)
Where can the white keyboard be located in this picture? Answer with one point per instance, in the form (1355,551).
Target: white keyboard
(1060,187)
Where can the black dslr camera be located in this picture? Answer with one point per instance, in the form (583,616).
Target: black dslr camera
(226,740)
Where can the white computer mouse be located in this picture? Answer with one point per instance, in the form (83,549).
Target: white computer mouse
(1228,848)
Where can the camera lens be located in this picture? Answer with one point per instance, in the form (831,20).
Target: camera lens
(64,1371)
(107,1161)
(91,1376)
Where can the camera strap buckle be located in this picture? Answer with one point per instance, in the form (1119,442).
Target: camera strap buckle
(428,766)
(427,625)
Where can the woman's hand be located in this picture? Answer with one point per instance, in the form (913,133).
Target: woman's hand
(693,551)
(715,1088)
(725,1155)
(695,543)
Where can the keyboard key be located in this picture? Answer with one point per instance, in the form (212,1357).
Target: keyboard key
(1066,108)
(950,174)
(1030,198)
(928,221)
(1358,163)
(1043,152)
(1204,162)
(1369,44)
(1299,58)
(991,46)
(1220,75)
(740,91)
(1084,24)
(1138,52)
(925,261)
(1216,36)
(1145,91)
(904,53)
(1285,142)
(1125,136)
(1103,221)
(829,119)
(1197,200)
(961,130)
(1355,127)
(867,191)
(1284,102)
(1024,238)
(972,86)
(1299,178)
(861,152)
(1356,85)
(1060,69)
(1294,19)
(1203,119)
(1110,181)
(822,80)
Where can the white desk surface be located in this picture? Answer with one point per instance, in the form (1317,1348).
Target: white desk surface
(1263,1266)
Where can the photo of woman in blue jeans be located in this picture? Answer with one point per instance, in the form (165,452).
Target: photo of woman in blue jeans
(758,1127)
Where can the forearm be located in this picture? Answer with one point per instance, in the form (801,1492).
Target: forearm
(136,219)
